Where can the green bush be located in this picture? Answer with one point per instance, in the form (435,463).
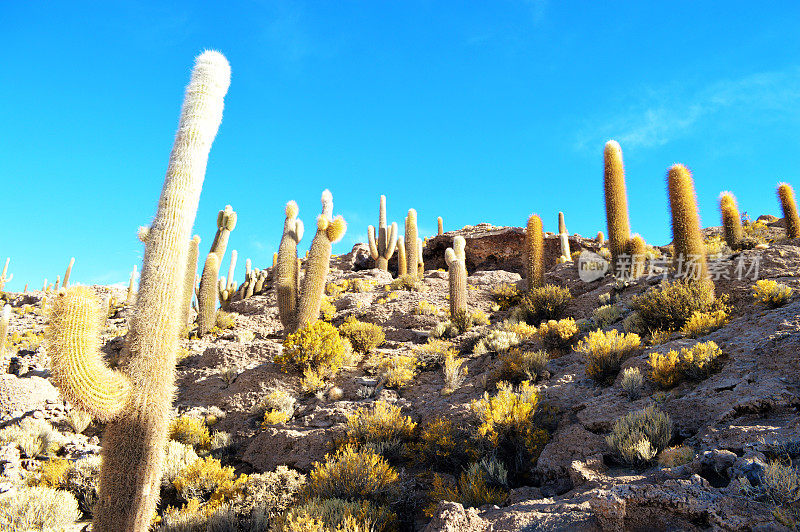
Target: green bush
(670,305)
(522,364)
(38,508)
(548,302)
(339,515)
(605,352)
(639,436)
(352,474)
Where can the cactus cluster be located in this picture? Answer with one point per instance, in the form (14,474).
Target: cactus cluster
(382,249)
(5,278)
(210,290)
(455,258)
(135,400)
(226,286)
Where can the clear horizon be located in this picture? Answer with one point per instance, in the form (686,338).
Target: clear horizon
(477,113)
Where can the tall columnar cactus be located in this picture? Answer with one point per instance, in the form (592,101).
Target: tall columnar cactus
(636,249)
(131,284)
(412,248)
(287,271)
(792,220)
(456,263)
(619,229)
(65,284)
(440,223)
(189,278)
(563,237)
(226,286)
(329,231)
(136,399)
(731,221)
(382,249)
(207,296)
(226,222)
(534,252)
(274,259)
(5,278)
(401,257)
(420,262)
(5,317)
(690,250)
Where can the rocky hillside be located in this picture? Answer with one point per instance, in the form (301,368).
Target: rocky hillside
(730,423)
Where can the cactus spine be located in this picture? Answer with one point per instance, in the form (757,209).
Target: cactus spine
(790,216)
(686,236)
(440,224)
(4,278)
(188,279)
(636,248)
(226,222)
(382,249)
(456,263)
(287,270)
(731,221)
(65,284)
(412,248)
(401,257)
(4,319)
(619,229)
(207,296)
(140,393)
(534,252)
(329,231)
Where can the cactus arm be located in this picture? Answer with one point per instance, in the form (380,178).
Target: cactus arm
(286,271)
(392,241)
(65,284)
(401,257)
(382,236)
(73,343)
(231,269)
(189,277)
(207,295)
(373,246)
(327,204)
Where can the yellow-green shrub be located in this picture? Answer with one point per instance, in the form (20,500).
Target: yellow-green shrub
(473,489)
(454,374)
(191,431)
(639,436)
(496,340)
(338,515)
(676,456)
(772,293)
(548,302)
(605,351)
(695,363)
(559,334)
(434,352)
(521,364)
(605,315)
(441,444)
(670,305)
(424,308)
(352,474)
(38,508)
(702,323)
(316,346)
(397,371)
(381,423)
(278,406)
(405,282)
(506,295)
(327,310)
(364,337)
(520,328)
(200,479)
(51,473)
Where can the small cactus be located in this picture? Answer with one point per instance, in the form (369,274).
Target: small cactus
(412,248)
(790,216)
(188,279)
(329,231)
(207,296)
(226,222)
(401,257)
(440,224)
(5,278)
(600,238)
(226,286)
(731,221)
(619,229)
(636,249)
(287,271)
(65,284)
(131,283)
(456,263)
(382,249)
(690,250)
(534,252)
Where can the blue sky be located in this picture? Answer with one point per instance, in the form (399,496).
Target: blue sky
(473,111)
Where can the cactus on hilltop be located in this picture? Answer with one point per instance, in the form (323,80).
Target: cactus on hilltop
(440,225)
(65,284)
(412,248)
(286,269)
(619,229)
(455,258)
(534,252)
(789,207)
(731,220)
(382,249)
(226,222)
(690,251)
